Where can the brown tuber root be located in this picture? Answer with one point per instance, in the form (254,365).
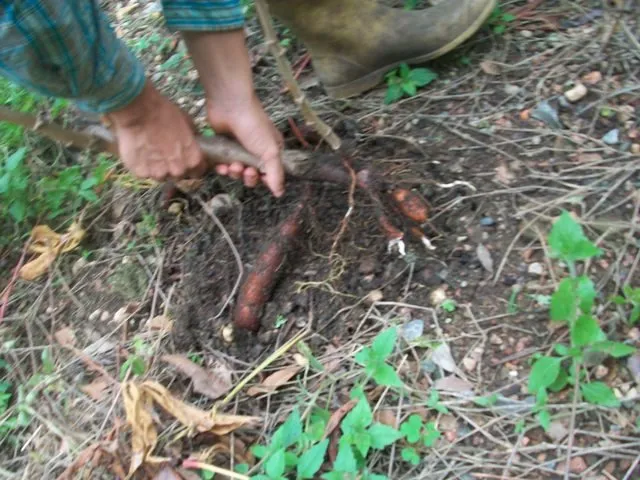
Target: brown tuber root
(411,205)
(259,285)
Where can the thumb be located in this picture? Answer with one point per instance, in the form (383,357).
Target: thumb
(273,176)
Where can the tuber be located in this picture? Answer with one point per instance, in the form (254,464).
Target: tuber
(411,205)
(260,282)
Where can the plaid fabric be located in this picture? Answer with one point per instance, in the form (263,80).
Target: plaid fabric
(68,49)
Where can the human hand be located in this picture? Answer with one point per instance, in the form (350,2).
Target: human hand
(156,139)
(247,122)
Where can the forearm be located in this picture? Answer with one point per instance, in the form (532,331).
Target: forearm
(67,49)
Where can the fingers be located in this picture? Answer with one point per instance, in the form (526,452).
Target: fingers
(274,175)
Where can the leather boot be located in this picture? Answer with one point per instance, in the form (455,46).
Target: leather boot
(354,43)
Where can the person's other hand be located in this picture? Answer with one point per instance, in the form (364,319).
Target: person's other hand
(156,139)
(249,124)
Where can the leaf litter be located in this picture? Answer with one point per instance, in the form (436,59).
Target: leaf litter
(211,383)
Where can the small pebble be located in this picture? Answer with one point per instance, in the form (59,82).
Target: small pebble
(227,333)
(437,296)
(469,364)
(612,137)
(576,93)
(512,89)
(121,315)
(413,330)
(95,315)
(464,284)
(535,268)
(487,222)
(635,148)
(634,334)
(601,372)
(526,33)
(510,280)
(374,296)
(592,78)
(495,339)
(105,316)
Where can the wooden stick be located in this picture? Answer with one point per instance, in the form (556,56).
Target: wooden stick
(310,117)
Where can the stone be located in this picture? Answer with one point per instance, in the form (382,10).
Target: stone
(635,148)
(592,78)
(535,268)
(495,339)
(227,333)
(437,296)
(612,137)
(469,364)
(576,93)
(374,296)
(601,372)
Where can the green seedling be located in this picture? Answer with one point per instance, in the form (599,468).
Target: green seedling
(449,305)
(374,359)
(632,299)
(416,432)
(136,364)
(405,81)
(499,21)
(572,304)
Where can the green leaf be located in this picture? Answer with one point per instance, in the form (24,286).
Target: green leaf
(508,17)
(567,240)
(385,374)
(362,441)
(449,305)
(15,159)
(561,381)
(363,357)
(383,435)
(563,305)
(18,210)
(345,460)
(311,460)
(615,349)
(544,419)
(499,29)
(384,343)
(486,401)
(359,418)
(241,468)
(412,428)
(422,76)
(274,466)
(409,88)
(599,393)
(259,451)
(618,300)
(138,366)
(4,183)
(586,331)
(544,372)
(394,93)
(48,366)
(206,474)
(405,71)
(330,476)
(289,432)
(561,349)
(586,293)
(635,315)
(410,455)
(431,434)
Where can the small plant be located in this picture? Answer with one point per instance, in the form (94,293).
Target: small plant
(572,303)
(416,432)
(373,359)
(136,361)
(631,298)
(449,305)
(405,81)
(499,20)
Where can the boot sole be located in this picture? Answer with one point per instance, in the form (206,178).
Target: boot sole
(374,78)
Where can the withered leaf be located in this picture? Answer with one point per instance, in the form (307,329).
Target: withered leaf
(490,68)
(96,389)
(275,380)
(65,337)
(337,416)
(485,257)
(211,383)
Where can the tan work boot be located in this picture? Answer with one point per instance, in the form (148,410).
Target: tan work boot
(354,43)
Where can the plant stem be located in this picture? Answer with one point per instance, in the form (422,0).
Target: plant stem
(310,117)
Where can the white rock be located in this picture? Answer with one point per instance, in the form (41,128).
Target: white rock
(121,315)
(576,93)
(95,315)
(374,296)
(105,316)
(536,268)
(437,296)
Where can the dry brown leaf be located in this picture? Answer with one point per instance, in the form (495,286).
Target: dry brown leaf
(589,157)
(48,245)
(386,416)
(189,184)
(490,68)
(96,389)
(275,380)
(504,175)
(337,416)
(211,383)
(65,337)
(453,384)
(138,402)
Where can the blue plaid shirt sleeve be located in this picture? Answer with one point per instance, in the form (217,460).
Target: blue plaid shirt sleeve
(68,49)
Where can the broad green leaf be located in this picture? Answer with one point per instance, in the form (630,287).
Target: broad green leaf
(563,305)
(259,450)
(345,460)
(4,183)
(635,315)
(405,71)
(375,476)
(567,240)
(586,331)
(394,93)
(18,210)
(431,434)
(138,366)
(409,88)
(241,468)
(561,381)
(499,29)
(385,374)
(363,357)
(311,460)
(412,428)
(359,418)
(508,17)
(615,349)
(422,76)
(362,441)
(544,419)
(618,300)
(330,476)
(15,159)
(410,455)
(384,343)
(207,475)
(274,466)
(599,393)
(383,435)
(289,432)
(544,372)
(586,292)
(561,349)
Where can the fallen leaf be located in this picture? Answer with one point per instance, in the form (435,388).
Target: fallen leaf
(211,383)
(557,432)
(65,337)
(386,416)
(189,184)
(490,68)
(167,473)
(442,357)
(454,384)
(275,380)
(138,403)
(592,78)
(504,175)
(589,157)
(485,257)
(96,389)
(337,416)
(48,245)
